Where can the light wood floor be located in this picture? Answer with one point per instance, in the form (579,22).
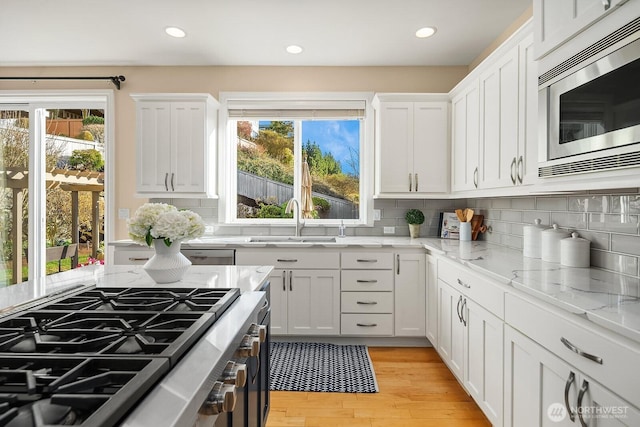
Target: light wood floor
(416,390)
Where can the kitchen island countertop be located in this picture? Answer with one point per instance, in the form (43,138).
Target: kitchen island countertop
(246,278)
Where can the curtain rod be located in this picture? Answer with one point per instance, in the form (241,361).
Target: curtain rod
(114,79)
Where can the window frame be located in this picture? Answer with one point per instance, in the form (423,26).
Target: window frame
(227,203)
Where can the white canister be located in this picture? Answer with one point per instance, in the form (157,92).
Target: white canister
(532,239)
(575,251)
(551,243)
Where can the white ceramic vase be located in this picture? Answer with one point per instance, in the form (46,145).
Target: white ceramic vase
(414,231)
(168,265)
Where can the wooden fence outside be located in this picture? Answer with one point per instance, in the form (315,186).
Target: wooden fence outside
(256,187)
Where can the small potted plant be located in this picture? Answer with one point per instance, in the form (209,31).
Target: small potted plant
(414,218)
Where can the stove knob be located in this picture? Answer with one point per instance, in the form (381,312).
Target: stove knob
(222,398)
(235,373)
(259,331)
(249,347)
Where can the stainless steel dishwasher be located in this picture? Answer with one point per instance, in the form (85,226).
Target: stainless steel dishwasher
(210,256)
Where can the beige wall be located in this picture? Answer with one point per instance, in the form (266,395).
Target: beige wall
(216,79)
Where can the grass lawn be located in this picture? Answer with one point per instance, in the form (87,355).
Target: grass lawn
(52,267)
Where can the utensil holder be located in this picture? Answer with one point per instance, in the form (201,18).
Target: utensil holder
(465,231)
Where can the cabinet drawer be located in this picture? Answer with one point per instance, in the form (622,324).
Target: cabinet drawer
(484,292)
(367,324)
(132,256)
(289,259)
(368,260)
(367,280)
(548,327)
(367,302)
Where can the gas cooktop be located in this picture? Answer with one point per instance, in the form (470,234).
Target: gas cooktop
(85,358)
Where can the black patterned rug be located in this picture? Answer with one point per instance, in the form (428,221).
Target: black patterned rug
(298,366)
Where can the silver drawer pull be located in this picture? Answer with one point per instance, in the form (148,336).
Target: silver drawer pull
(576,350)
(367,325)
(139,259)
(366,281)
(366,302)
(286,260)
(461,283)
(366,260)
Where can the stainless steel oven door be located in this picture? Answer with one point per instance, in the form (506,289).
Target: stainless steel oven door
(595,108)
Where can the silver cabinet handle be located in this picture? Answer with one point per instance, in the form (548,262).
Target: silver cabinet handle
(464,304)
(583,390)
(461,283)
(513,171)
(520,169)
(366,302)
(606,4)
(475,177)
(576,350)
(398,262)
(284,281)
(139,259)
(458,309)
(567,387)
(367,260)
(366,281)
(291,280)
(172,187)
(410,182)
(367,325)
(166,176)
(416,181)
(287,260)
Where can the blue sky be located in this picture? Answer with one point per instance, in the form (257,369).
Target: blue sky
(335,137)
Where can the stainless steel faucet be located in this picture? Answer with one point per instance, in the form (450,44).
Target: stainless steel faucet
(296,214)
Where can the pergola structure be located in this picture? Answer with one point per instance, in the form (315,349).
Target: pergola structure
(74,181)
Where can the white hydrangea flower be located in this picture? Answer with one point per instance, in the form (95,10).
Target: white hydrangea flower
(163,221)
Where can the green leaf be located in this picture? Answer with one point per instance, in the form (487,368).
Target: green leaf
(167,242)
(148,238)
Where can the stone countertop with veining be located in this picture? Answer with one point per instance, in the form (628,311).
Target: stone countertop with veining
(246,278)
(606,298)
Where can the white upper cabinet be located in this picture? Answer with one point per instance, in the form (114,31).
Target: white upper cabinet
(558,21)
(175,145)
(527,163)
(465,137)
(412,148)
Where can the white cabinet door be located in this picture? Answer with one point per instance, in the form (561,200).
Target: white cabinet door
(430,147)
(314,302)
(499,122)
(395,147)
(451,329)
(153,146)
(278,299)
(484,357)
(528,114)
(409,291)
(536,385)
(432,300)
(557,21)
(465,138)
(189,150)
(597,406)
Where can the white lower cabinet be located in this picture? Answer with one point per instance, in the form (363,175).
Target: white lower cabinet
(484,375)
(543,390)
(409,313)
(431,302)
(451,329)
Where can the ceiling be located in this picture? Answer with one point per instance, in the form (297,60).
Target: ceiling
(250,32)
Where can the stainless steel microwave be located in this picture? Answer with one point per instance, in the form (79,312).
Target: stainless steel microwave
(588,114)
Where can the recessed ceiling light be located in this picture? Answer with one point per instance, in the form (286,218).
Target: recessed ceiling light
(425,32)
(294,49)
(175,32)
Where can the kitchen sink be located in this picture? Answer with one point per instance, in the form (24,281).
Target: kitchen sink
(292,239)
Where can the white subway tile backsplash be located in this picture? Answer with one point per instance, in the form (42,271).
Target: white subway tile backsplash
(410,204)
(512,241)
(628,204)
(615,262)
(598,240)
(501,203)
(531,216)
(511,216)
(625,244)
(516,229)
(551,203)
(615,223)
(384,203)
(523,203)
(589,203)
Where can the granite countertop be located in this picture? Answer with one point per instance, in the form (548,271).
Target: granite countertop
(246,278)
(606,298)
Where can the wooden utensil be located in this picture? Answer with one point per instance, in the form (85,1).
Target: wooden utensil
(460,216)
(476,226)
(469,214)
